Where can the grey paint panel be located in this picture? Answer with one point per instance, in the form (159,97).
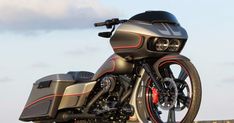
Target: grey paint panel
(114,65)
(155,30)
(58,81)
(56,77)
(50,95)
(75,95)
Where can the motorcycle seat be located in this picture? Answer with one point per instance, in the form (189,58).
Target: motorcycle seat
(81,76)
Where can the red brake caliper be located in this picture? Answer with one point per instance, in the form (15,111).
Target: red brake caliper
(154,95)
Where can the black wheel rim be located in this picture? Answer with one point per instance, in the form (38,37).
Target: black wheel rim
(183,82)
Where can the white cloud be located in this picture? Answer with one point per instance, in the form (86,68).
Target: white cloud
(40,65)
(83,51)
(51,14)
(5,79)
(229,80)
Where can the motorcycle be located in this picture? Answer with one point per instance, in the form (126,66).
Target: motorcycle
(146,80)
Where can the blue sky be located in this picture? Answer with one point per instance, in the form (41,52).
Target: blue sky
(41,37)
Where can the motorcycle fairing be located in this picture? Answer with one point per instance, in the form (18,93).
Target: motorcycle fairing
(131,39)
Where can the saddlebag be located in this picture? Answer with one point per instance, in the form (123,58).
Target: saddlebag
(45,97)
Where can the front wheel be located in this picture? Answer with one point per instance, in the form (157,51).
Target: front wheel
(182,97)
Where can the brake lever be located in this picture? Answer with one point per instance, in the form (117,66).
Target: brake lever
(106,34)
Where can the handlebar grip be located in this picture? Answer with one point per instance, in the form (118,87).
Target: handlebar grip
(100,24)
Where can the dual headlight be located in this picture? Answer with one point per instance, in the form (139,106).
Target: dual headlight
(164,44)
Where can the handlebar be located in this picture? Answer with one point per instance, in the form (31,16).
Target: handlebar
(109,23)
(99,24)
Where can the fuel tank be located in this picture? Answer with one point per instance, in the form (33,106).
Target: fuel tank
(115,64)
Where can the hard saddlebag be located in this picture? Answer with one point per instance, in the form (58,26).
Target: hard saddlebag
(45,97)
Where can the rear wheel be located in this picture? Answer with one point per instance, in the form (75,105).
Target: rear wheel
(181,101)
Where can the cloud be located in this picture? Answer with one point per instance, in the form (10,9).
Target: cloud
(40,65)
(229,80)
(82,51)
(5,79)
(19,15)
(230,63)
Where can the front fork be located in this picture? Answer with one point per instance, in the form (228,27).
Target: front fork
(153,76)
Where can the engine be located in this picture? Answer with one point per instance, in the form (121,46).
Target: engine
(113,105)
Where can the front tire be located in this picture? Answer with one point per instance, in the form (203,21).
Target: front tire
(189,93)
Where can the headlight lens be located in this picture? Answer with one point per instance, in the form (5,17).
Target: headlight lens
(164,44)
(161,44)
(174,45)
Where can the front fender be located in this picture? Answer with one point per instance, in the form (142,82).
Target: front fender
(171,57)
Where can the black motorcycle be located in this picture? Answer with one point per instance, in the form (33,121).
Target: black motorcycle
(145,80)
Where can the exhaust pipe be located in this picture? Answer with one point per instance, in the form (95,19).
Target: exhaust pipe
(67,116)
(100,93)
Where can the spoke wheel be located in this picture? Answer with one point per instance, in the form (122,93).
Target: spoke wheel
(188,98)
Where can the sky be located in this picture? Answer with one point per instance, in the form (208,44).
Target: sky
(43,37)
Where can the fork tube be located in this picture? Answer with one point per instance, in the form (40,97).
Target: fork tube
(153,76)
